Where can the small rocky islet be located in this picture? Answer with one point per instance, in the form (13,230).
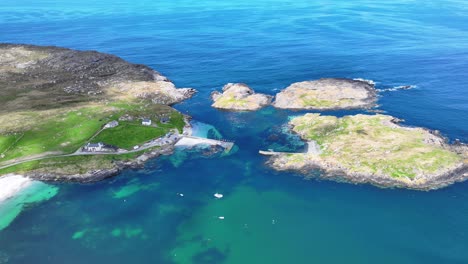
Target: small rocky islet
(327,94)
(239,97)
(322,94)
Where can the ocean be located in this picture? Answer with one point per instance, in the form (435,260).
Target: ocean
(166,211)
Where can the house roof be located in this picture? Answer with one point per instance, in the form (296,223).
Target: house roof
(94,145)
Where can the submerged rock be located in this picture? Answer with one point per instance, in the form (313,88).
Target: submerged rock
(375,149)
(239,97)
(327,94)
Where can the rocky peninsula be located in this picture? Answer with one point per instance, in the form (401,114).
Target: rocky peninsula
(327,94)
(55,100)
(239,97)
(374,149)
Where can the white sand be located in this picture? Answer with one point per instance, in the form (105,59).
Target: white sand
(11,184)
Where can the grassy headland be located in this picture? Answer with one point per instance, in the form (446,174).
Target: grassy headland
(55,100)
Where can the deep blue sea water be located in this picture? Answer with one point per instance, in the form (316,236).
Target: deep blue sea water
(140,217)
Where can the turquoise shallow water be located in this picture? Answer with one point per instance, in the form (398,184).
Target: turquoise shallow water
(269,217)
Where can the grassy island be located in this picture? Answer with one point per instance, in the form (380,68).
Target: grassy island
(374,148)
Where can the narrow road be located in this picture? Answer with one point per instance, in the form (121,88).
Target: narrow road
(160,142)
(154,143)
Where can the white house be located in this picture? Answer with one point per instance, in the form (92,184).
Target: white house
(146,122)
(93,147)
(111,124)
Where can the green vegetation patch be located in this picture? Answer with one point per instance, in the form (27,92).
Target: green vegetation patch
(132,133)
(314,102)
(129,134)
(63,131)
(228,101)
(8,141)
(374,145)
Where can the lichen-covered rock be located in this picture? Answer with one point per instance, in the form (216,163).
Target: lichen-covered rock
(239,97)
(377,150)
(327,94)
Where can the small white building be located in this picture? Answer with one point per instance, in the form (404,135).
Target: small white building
(146,122)
(111,124)
(93,147)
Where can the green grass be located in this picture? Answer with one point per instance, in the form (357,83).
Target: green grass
(129,134)
(64,134)
(176,121)
(7,141)
(309,101)
(67,131)
(228,100)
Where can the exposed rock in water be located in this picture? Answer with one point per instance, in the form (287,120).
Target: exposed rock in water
(375,149)
(239,97)
(327,94)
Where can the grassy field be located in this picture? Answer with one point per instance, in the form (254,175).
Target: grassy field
(66,130)
(8,141)
(372,144)
(63,133)
(129,134)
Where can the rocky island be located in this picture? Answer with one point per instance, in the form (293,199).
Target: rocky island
(327,94)
(239,97)
(374,149)
(82,115)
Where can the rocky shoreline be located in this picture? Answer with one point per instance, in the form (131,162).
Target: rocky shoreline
(98,175)
(459,174)
(388,161)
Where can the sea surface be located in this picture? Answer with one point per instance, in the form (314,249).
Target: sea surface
(166,212)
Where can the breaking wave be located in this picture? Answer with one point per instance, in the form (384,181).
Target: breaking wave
(397,88)
(371,82)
